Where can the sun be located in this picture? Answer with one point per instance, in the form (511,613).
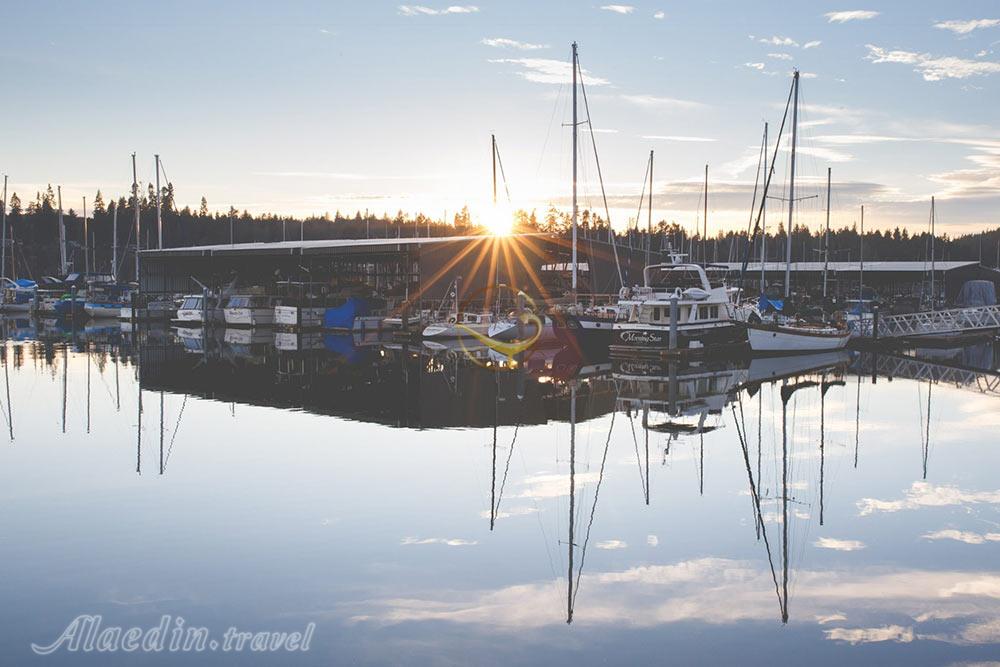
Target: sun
(499,220)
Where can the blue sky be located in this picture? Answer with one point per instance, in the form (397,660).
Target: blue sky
(308,107)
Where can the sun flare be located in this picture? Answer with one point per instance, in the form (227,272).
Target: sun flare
(499,220)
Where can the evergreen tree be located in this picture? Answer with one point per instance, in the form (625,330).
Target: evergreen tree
(203,208)
(98,204)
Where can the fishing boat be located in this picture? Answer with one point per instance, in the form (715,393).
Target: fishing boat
(196,308)
(48,292)
(249,309)
(705,311)
(17,295)
(300,305)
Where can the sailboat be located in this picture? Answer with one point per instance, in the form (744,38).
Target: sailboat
(458,323)
(778,333)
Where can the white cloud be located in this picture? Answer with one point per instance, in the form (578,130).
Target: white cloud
(611,544)
(668,137)
(779,56)
(923,494)
(652,101)
(509,513)
(888,633)
(839,545)
(659,16)
(851,15)
(830,618)
(451,542)
(619,9)
(933,68)
(965,27)
(420,10)
(597,130)
(547,70)
(652,540)
(757,66)
(856,139)
(962,536)
(778,41)
(552,486)
(812,45)
(504,43)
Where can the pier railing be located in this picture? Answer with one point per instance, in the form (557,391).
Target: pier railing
(928,323)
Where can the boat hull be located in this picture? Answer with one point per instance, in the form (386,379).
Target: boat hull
(455,330)
(295,317)
(102,310)
(777,339)
(249,317)
(651,337)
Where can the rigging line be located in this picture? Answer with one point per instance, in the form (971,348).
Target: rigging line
(506,469)
(642,196)
(170,448)
(767,186)
(760,518)
(503,176)
(600,177)
(761,165)
(593,507)
(635,442)
(548,132)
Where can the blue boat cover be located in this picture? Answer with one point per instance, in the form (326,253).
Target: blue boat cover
(342,316)
(342,345)
(765,305)
(24,282)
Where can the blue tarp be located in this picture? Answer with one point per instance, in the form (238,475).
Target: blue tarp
(342,317)
(764,304)
(342,345)
(24,282)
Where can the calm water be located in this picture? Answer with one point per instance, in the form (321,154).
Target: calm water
(425,507)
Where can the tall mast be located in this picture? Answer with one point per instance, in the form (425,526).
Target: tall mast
(704,236)
(763,216)
(62,234)
(933,293)
(493,155)
(826,236)
(86,245)
(572,494)
(791,187)
(3,250)
(135,213)
(159,219)
(574,170)
(649,222)
(114,244)
(861,252)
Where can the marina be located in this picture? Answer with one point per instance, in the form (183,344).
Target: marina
(500,334)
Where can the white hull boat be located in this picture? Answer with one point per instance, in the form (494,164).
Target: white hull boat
(795,338)
(461,325)
(249,310)
(297,316)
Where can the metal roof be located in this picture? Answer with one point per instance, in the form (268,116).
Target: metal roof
(305,247)
(851,267)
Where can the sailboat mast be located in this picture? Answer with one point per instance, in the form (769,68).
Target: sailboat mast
(86,245)
(704,236)
(493,148)
(861,267)
(933,293)
(791,187)
(826,236)
(574,171)
(159,219)
(649,221)
(114,244)
(3,250)
(763,217)
(135,213)
(62,234)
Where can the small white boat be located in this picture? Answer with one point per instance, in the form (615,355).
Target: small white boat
(460,325)
(794,337)
(194,309)
(249,310)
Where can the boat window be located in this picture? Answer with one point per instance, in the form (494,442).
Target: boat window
(656,313)
(191,303)
(239,302)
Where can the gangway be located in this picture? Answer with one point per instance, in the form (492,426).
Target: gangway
(913,368)
(933,322)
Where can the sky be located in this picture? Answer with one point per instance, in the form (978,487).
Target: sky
(314,107)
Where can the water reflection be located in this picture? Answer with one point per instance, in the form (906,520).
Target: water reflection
(633,498)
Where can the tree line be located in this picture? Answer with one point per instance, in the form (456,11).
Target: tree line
(33,234)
